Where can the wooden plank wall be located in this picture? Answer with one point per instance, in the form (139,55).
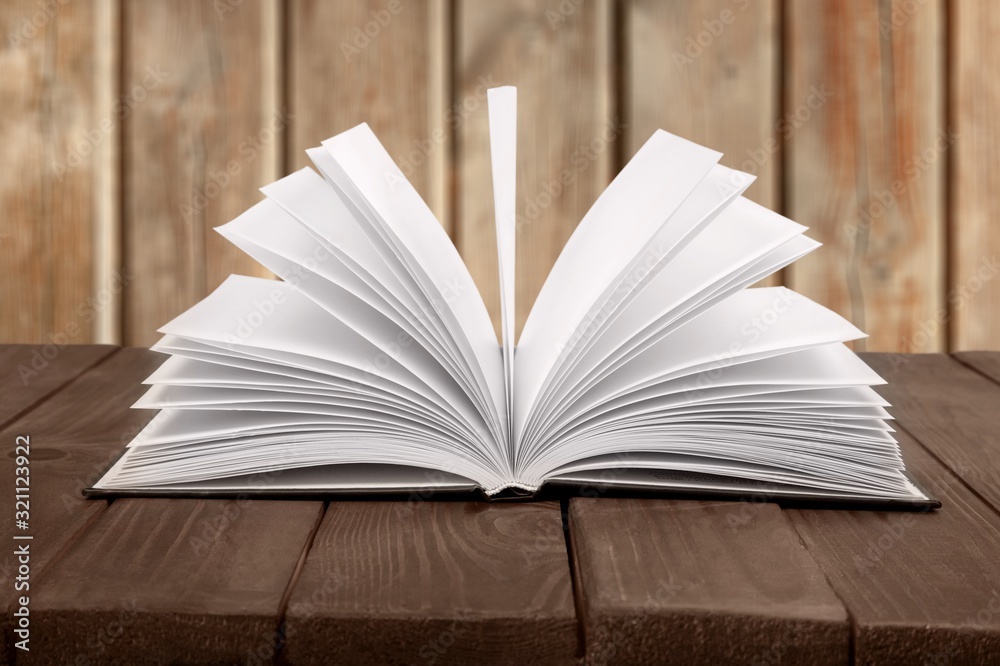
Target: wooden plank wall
(128,130)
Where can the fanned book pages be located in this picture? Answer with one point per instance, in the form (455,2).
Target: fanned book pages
(645,364)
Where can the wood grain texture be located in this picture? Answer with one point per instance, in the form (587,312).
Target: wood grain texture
(866,151)
(74,436)
(951,410)
(203,131)
(382,62)
(57,147)
(173,581)
(921,588)
(708,71)
(30,373)
(558,54)
(973,102)
(665,581)
(986,363)
(434,582)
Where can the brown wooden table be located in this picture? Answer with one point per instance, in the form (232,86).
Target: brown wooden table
(595,580)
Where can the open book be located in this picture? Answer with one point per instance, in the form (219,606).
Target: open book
(646,361)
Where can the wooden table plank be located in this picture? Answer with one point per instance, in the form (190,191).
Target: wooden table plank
(173,581)
(665,581)
(33,372)
(438,582)
(920,588)
(443,581)
(951,410)
(984,362)
(74,435)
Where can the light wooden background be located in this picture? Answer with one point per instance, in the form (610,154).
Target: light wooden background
(129,129)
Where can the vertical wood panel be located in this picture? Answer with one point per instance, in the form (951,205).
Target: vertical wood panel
(57,148)
(558,55)
(974,291)
(376,61)
(866,163)
(202,133)
(708,71)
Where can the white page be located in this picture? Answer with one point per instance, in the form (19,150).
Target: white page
(427,305)
(410,294)
(364,311)
(503,154)
(747,469)
(641,349)
(429,255)
(333,478)
(272,459)
(165,396)
(738,237)
(720,336)
(300,326)
(838,462)
(826,366)
(313,369)
(625,478)
(697,211)
(305,196)
(641,340)
(640,199)
(277,240)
